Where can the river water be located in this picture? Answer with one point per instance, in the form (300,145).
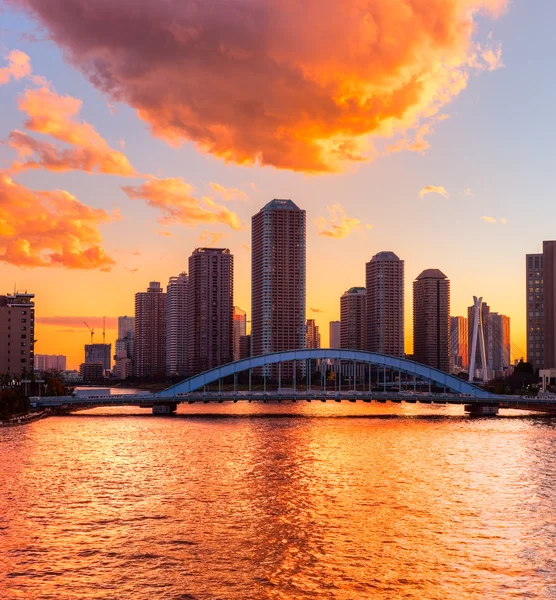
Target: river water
(290,501)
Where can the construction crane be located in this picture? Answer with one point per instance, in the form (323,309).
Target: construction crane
(91,330)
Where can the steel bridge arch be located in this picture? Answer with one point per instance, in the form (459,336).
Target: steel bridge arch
(454,384)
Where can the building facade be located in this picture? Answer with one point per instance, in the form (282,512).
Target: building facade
(240,329)
(149,357)
(98,353)
(353,319)
(431,319)
(549,296)
(126,336)
(499,345)
(335,333)
(17,334)
(534,285)
(50,362)
(312,334)
(210,309)
(385,304)
(278,281)
(459,344)
(177,325)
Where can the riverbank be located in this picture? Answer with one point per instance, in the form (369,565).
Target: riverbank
(22,419)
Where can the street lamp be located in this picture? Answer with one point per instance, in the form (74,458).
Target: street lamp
(39,381)
(26,381)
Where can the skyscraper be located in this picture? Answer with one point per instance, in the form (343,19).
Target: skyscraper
(549,310)
(335,334)
(534,282)
(459,342)
(210,309)
(278,280)
(126,327)
(353,319)
(126,337)
(99,353)
(312,334)
(431,319)
(17,333)
(150,332)
(176,325)
(385,304)
(240,329)
(498,348)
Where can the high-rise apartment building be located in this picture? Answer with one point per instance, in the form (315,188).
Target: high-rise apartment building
(149,357)
(431,319)
(50,362)
(98,353)
(17,333)
(244,347)
(485,311)
(353,319)
(549,310)
(176,325)
(499,347)
(335,333)
(312,334)
(240,329)
(385,304)
(278,281)
(534,282)
(459,350)
(126,336)
(210,309)
(126,327)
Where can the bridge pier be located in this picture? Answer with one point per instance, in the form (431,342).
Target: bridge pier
(482,410)
(165,409)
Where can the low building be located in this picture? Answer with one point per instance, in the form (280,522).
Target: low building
(91,372)
(50,362)
(123,368)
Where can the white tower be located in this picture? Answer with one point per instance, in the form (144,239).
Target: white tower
(478,336)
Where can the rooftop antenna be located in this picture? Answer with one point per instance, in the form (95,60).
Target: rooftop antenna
(104,330)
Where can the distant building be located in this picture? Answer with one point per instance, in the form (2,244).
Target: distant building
(126,336)
(149,357)
(99,353)
(459,351)
(91,372)
(278,281)
(534,283)
(335,334)
(385,304)
(353,319)
(240,329)
(17,334)
(499,345)
(177,304)
(210,309)
(123,368)
(312,334)
(244,347)
(50,362)
(549,305)
(431,319)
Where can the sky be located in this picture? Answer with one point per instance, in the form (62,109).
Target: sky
(133,132)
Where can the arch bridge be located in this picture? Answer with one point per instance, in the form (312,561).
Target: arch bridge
(353,370)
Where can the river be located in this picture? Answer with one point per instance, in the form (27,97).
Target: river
(289,501)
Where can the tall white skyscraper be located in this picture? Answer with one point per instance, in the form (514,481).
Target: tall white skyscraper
(176,325)
(240,329)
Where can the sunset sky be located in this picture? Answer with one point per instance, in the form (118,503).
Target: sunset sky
(134,131)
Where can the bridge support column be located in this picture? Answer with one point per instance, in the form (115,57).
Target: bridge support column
(482,410)
(165,409)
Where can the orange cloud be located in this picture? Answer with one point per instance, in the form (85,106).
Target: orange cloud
(173,197)
(259,83)
(434,189)
(488,58)
(49,229)
(489,219)
(210,238)
(316,310)
(19,66)
(57,116)
(228,194)
(338,225)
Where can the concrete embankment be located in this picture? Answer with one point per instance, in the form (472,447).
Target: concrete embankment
(22,419)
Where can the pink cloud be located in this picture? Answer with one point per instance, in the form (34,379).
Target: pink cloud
(258,82)
(19,66)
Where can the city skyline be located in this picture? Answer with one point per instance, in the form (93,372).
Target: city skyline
(448,190)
